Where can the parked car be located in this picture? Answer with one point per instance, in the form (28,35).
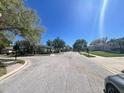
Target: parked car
(114,84)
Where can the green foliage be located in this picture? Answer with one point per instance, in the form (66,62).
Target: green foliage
(98,44)
(25,47)
(9,35)
(114,45)
(19,19)
(28,48)
(99,41)
(40,49)
(58,43)
(106,54)
(3,42)
(50,43)
(80,45)
(67,48)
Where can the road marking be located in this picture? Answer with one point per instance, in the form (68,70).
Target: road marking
(110,69)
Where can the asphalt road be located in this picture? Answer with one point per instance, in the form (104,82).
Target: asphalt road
(64,73)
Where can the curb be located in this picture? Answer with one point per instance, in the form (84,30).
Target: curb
(13,72)
(96,55)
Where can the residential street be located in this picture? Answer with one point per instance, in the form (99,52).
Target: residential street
(65,73)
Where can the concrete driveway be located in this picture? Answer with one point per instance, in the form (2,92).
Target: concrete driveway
(64,73)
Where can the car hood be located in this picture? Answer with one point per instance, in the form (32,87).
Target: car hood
(121,76)
(118,80)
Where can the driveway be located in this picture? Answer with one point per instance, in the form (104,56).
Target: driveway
(64,73)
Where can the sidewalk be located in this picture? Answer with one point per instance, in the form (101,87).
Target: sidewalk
(93,55)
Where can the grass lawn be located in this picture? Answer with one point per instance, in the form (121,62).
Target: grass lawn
(85,54)
(3,70)
(106,54)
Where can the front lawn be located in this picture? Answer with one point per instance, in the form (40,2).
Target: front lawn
(106,54)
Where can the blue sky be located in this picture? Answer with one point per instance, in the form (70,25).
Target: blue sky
(75,19)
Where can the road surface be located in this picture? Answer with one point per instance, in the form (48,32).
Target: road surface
(64,73)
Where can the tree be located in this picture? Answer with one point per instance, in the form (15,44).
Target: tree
(67,48)
(42,49)
(19,19)
(98,44)
(116,45)
(58,44)
(25,47)
(50,43)
(4,42)
(121,44)
(80,45)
